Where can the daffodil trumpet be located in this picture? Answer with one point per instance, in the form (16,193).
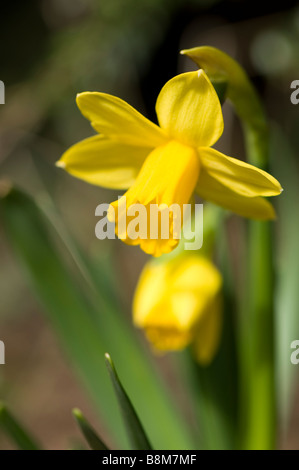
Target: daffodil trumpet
(138,222)
(167,164)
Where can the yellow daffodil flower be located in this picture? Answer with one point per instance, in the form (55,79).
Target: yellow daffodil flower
(166,164)
(178,303)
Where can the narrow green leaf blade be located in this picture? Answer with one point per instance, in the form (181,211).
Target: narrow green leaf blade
(137,436)
(94,441)
(13,428)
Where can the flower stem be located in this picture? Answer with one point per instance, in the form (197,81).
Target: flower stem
(258,401)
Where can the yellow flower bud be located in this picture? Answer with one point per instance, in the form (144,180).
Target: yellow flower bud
(178,302)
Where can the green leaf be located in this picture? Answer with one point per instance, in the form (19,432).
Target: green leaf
(94,441)
(137,436)
(19,435)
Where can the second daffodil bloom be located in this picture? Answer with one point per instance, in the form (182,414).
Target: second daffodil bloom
(166,164)
(178,302)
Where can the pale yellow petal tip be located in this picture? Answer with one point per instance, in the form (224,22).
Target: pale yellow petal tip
(60,164)
(190,52)
(79,96)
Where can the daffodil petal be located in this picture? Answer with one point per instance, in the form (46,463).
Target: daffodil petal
(199,275)
(188,108)
(115,118)
(237,175)
(188,285)
(152,280)
(252,207)
(152,312)
(208,335)
(104,162)
(196,282)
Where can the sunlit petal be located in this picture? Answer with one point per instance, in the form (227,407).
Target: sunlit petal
(104,162)
(188,108)
(252,207)
(237,175)
(115,118)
